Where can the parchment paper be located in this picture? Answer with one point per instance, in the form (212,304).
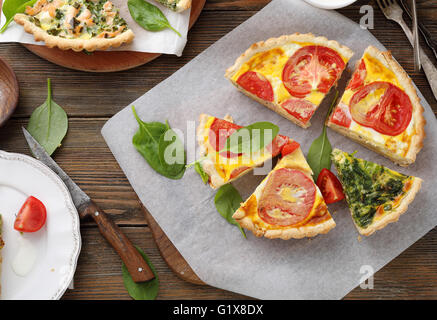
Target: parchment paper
(325,267)
(165,41)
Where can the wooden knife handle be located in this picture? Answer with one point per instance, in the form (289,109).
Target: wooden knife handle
(136,265)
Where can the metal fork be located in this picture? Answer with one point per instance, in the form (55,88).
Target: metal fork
(393,11)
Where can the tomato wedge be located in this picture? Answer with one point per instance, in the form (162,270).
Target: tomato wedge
(311,68)
(31,217)
(288,197)
(330,186)
(300,109)
(289,148)
(237,172)
(341,116)
(383,107)
(358,77)
(257,84)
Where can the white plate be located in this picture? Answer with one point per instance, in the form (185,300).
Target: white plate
(330,4)
(57,243)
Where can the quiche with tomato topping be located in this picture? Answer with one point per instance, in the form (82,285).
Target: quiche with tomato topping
(287,204)
(76,24)
(224,167)
(380,109)
(291,74)
(376,195)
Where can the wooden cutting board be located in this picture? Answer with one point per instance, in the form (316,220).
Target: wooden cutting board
(104,61)
(169,253)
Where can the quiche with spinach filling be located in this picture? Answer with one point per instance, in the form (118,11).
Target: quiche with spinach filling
(76,24)
(375,194)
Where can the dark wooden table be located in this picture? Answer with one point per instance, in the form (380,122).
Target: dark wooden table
(90,99)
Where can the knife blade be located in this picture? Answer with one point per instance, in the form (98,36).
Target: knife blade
(135,263)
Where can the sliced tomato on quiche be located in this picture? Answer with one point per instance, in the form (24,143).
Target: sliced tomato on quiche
(291,74)
(380,109)
(224,167)
(287,204)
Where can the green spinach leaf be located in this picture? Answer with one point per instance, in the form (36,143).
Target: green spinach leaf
(148,142)
(227,200)
(198,168)
(172,153)
(48,124)
(319,153)
(11,7)
(148,16)
(251,138)
(145,290)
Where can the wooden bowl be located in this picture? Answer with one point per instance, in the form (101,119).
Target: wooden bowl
(8,91)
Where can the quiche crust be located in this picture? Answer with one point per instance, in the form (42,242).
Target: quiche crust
(419,121)
(276,42)
(74,44)
(393,215)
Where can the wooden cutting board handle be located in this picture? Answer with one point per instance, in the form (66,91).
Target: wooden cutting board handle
(169,253)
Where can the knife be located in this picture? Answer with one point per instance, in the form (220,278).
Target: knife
(137,267)
(415,38)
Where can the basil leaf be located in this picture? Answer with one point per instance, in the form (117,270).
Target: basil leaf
(170,150)
(48,124)
(319,153)
(11,7)
(148,16)
(147,141)
(251,138)
(144,290)
(227,200)
(198,168)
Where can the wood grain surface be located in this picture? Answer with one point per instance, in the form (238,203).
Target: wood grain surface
(91,98)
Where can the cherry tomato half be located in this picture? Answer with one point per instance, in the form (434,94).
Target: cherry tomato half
(31,217)
(330,186)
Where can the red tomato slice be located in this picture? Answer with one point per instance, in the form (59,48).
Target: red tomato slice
(277,144)
(290,148)
(219,132)
(358,77)
(237,172)
(31,216)
(341,116)
(383,107)
(257,84)
(330,186)
(288,197)
(310,68)
(300,109)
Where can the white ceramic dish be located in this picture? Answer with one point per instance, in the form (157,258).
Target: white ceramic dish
(57,244)
(330,4)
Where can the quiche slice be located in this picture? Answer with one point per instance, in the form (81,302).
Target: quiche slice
(225,167)
(376,195)
(380,109)
(287,204)
(290,75)
(176,5)
(76,24)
